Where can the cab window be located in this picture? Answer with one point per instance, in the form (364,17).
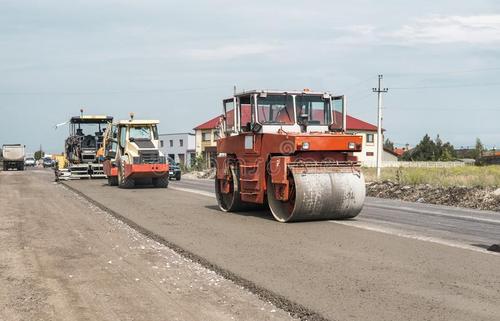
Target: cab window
(123,136)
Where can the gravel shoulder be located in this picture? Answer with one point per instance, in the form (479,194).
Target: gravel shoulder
(61,258)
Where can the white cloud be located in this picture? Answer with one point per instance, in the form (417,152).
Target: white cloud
(478,29)
(231,51)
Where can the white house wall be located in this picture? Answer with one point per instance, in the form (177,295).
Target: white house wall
(187,149)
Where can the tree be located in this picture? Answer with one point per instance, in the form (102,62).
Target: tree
(428,150)
(388,144)
(447,153)
(438,148)
(479,149)
(39,154)
(424,151)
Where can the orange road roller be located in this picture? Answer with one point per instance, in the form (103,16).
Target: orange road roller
(288,150)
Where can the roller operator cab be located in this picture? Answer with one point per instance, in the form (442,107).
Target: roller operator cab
(81,148)
(131,153)
(289,150)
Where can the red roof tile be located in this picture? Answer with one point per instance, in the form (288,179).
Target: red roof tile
(352,124)
(211,124)
(357,124)
(399,151)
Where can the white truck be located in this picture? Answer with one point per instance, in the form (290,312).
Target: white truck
(13,156)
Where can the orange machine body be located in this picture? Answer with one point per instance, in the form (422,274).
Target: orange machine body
(257,156)
(136,170)
(110,169)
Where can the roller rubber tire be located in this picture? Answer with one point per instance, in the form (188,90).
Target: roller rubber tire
(160,182)
(232,202)
(124,182)
(113,181)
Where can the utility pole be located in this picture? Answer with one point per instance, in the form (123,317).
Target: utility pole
(380,141)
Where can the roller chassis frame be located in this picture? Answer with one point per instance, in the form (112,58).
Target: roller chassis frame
(266,175)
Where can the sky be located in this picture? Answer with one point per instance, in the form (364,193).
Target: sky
(176,60)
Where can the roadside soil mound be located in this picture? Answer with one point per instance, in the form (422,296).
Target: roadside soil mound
(484,198)
(205,174)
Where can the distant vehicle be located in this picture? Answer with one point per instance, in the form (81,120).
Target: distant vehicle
(13,156)
(174,170)
(48,162)
(83,147)
(131,151)
(29,162)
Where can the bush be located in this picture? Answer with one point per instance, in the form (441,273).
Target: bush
(481,176)
(199,163)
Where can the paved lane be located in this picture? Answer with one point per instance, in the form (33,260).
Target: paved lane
(341,272)
(462,227)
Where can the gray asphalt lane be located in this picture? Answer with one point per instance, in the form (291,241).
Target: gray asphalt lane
(468,226)
(341,272)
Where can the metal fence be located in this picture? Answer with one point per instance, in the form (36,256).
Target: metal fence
(417,164)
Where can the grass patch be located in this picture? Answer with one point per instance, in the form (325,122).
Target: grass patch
(482,176)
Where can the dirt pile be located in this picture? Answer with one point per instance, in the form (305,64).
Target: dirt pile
(484,198)
(204,174)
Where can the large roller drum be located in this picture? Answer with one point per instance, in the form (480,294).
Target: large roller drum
(231,202)
(319,194)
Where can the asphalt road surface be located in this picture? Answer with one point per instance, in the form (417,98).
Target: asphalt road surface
(467,228)
(62,258)
(396,261)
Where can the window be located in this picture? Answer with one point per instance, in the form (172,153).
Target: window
(247,104)
(338,112)
(369,138)
(315,110)
(123,136)
(140,132)
(181,142)
(171,142)
(275,109)
(181,159)
(229,109)
(155,132)
(205,136)
(161,143)
(246,114)
(114,132)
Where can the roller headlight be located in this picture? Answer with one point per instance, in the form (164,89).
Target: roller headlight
(351,145)
(305,146)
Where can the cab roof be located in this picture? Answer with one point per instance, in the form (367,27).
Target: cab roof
(91,119)
(138,122)
(282,92)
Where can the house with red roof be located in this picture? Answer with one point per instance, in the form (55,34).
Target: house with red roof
(206,135)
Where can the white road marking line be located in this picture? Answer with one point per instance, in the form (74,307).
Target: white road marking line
(435,213)
(375,228)
(194,191)
(401,233)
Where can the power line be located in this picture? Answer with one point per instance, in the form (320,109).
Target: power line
(450,72)
(379,92)
(119,92)
(447,86)
(444,108)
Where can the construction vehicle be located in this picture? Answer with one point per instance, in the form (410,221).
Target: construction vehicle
(290,150)
(81,147)
(132,154)
(13,156)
